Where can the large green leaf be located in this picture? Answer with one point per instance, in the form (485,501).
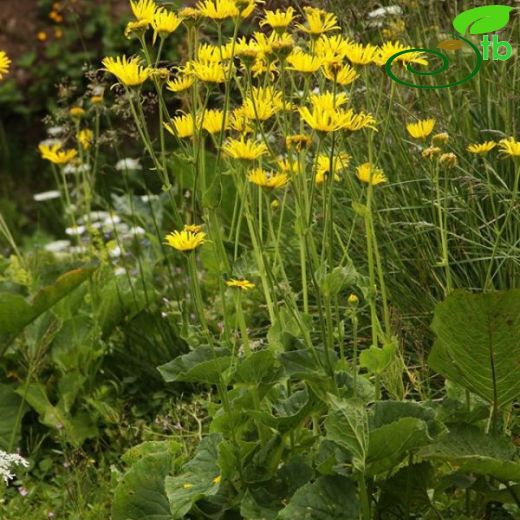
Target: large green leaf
(141,495)
(481,20)
(328,498)
(347,426)
(476,452)
(202,365)
(477,343)
(10,403)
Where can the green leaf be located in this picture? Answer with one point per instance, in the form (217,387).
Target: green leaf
(257,368)
(140,495)
(477,343)
(202,365)
(328,498)
(347,426)
(376,359)
(475,452)
(10,403)
(481,20)
(338,279)
(147,448)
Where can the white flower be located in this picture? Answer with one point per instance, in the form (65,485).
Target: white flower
(128,164)
(120,271)
(71,168)
(136,231)
(46,195)
(94,216)
(115,252)
(7,460)
(75,230)
(55,131)
(382,12)
(58,246)
(148,198)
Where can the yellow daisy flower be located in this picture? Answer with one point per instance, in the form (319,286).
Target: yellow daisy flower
(278,19)
(5,62)
(56,155)
(510,147)
(370,174)
(318,21)
(361,54)
(262,103)
(442,138)
(265,179)
(243,285)
(332,48)
(185,240)
(421,129)
(322,120)
(343,75)
(481,148)
(164,23)
(208,53)
(388,49)
(85,138)
(329,100)
(323,166)
(303,62)
(128,71)
(213,121)
(245,149)
(181,126)
(76,112)
(353,121)
(449,159)
(181,83)
(298,141)
(193,228)
(143,9)
(137,28)
(218,9)
(430,152)
(208,72)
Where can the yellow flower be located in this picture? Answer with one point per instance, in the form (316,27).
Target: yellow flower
(217,479)
(55,154)
(245,149)
(42,36)
(353,299)
(76,112)
(303,62)
(180,84)
(332,48)
(208,72)
(218,9)
(187,485)
(329,100)
(442,138)
(278,19)
(281,44)
(247,6)
(193,228)
(128,71)
(185,240)
(5,62)
(355,122)
(388,49)
(298,141)
(429,152)
(208,53)
(240,122)
(370,174)
(267,179)
(318,21)
(323,168)
(288,166)
(181,126)
(213,121)
(137,28)
(322,120)
(510,147)
(361,54)
(143,9)
(96,100)
(343,75)
(263,67)
(164,23)
(482,148)
(244,285)
(262,103)
(450,159)
(85,138)
(421,129)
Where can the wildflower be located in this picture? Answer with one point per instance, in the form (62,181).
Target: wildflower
(281,44)
(240,122)
(96,100)
(7,461)
(482,148)
(5,62)
(265,179)
(323,166)
(193,228)
(263,67)
(328,100)
(322,120)
(298,141)
(128,71)
(510,147)
(243,285)
(208,72)
(181,126)
(421,129)
(388,49)
(207,53)
(248,149)
(144,10)
(213,121)
(288,166)
(442,138)
(318,21)
(303,62)
(75,231)
(55,154)
(429,152)
(42,36)
(185,240)
(136,28)
(164,23)
(352,299)
(449,159)
(218,9)
(46,195)
(76,112)
(58,246)
(180,84)
(128,164)
(357,121)
(332,48)
(262,103)
(217,479)
(361,54)
(278,20)
(85,138)
(370,174)
(342,75)
(247,6)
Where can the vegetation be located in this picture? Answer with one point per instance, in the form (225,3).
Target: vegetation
(270,282)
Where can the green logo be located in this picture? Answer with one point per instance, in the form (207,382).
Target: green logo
(480,20)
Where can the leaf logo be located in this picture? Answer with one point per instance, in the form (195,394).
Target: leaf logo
(481,20)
